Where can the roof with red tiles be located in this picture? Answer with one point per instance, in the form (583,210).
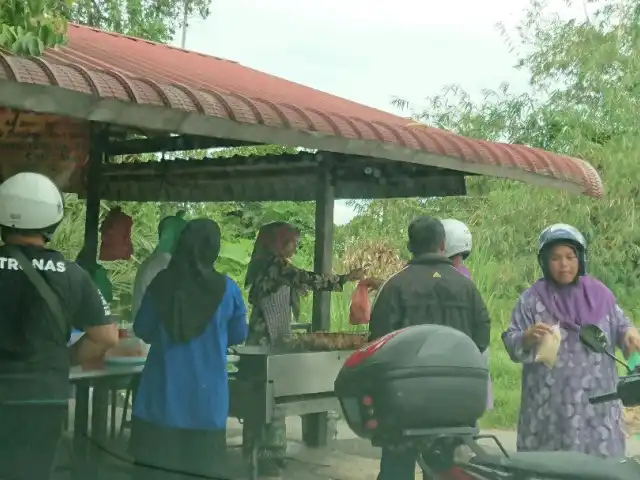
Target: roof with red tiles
(131,82)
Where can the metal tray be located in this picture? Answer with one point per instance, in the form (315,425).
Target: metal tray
(323,341)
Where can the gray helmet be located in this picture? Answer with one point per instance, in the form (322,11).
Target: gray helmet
(561,232)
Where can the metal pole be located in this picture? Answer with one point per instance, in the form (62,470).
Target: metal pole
(184,24)
(314,426)
(93,186)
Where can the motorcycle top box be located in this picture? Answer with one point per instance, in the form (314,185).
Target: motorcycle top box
(420,377)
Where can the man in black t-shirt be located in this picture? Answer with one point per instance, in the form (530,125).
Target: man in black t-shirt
(34,357)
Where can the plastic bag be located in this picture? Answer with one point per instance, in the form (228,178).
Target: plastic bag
(549,346)
(101,278)
(634,362)
(360,307)
(116,236)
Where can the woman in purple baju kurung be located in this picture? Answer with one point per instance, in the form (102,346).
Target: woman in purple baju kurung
(555,414)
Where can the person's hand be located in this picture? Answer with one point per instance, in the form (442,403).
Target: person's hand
(303,291)
(631,341)
(373,283)
(533,335)
(356,274)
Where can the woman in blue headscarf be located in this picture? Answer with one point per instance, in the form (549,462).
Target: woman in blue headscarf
(555,413)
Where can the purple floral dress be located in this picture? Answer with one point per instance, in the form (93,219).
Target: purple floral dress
(555,414)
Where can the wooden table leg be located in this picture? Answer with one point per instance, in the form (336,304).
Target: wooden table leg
(99,416)
(314,429)
(96,439)
(90,444)
(113,403)
(253,462)
(81,414)
(80,431)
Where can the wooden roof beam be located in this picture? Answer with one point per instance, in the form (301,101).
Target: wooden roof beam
(171,143)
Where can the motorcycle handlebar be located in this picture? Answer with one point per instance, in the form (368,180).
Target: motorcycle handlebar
(627,391)
(607,397)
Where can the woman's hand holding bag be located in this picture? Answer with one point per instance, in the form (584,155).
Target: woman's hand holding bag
(547,339)
(549,346)
(631,341)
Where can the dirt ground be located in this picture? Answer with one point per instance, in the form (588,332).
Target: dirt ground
(632,420)
(346,458)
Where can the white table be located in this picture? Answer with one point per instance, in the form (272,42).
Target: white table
(78,374)
(102,381)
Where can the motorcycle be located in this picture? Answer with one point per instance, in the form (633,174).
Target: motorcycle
(451,451)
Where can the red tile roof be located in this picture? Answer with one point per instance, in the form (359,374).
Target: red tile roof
(142,72)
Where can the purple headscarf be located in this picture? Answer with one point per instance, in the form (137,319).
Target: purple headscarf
(588,301)
(463,270)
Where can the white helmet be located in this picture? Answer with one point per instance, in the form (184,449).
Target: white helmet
(457,238)
(32,202)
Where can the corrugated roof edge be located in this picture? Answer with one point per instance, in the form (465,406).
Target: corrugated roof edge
(150,42)
(205,55)
(105,96)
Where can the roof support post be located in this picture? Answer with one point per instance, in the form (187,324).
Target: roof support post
(93,185)
(322,260)
(314,426)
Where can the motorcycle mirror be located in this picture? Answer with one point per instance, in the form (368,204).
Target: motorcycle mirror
(592,337)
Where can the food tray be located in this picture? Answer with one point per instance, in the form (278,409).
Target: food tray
(323,341)
(125,360)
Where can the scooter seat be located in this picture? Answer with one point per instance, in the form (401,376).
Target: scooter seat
(562,466)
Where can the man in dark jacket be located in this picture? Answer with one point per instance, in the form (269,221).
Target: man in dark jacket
(429,290)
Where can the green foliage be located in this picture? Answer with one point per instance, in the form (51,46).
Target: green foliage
(583,104)
(156,20)
(27,27)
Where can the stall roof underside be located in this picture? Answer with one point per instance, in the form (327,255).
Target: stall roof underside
(143,86)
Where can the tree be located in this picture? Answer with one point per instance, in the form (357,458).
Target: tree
(155,20)
(585,80)
(583,102)
(27,27)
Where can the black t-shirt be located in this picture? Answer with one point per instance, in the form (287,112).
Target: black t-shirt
(34,358)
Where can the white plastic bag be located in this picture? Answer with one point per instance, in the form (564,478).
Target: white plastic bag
(548,347)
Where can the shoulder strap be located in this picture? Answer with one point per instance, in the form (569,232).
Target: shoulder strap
(49,296)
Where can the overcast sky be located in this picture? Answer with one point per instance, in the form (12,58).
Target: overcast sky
(367,51)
